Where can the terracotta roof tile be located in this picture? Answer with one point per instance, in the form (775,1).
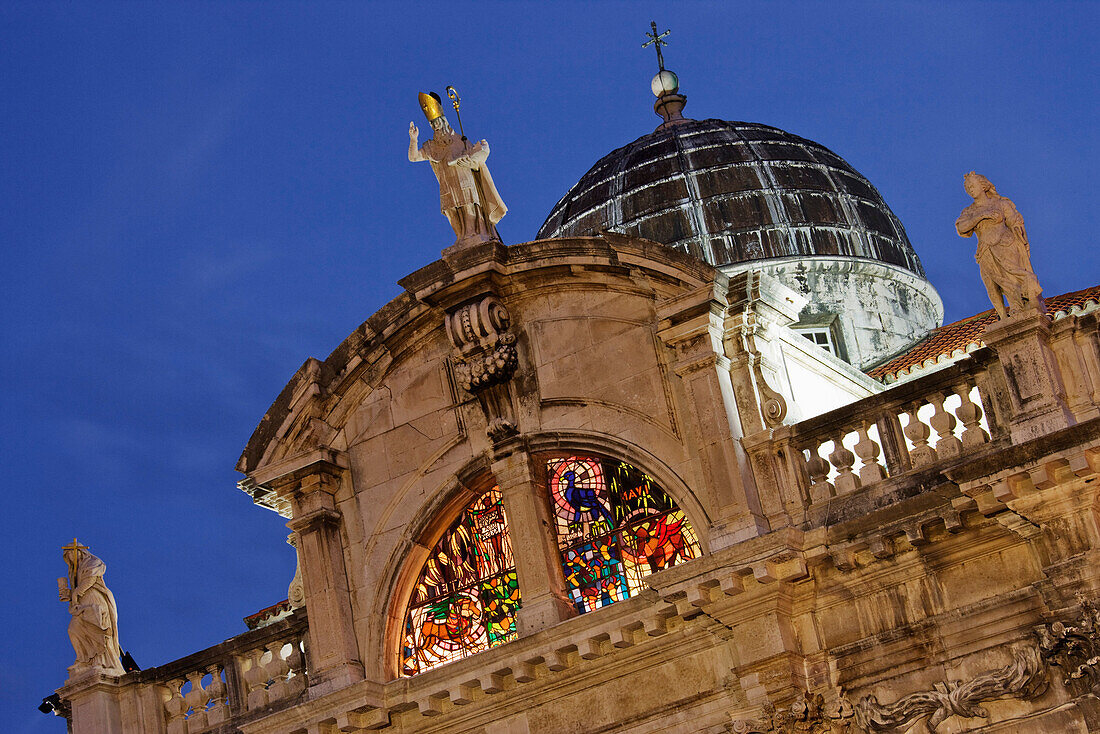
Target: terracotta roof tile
(966,335)
(256,620)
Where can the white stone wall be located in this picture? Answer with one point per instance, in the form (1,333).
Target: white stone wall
(880,310)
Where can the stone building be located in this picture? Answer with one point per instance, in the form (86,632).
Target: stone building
(633,477)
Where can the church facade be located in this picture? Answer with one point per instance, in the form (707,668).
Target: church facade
(597,483)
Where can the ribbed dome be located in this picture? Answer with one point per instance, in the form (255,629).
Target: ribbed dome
(729,192)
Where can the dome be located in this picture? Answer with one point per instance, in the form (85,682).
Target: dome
(732,192)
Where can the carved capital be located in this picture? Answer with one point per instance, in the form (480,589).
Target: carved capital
(807,715)
(493,367)
(741,346)
(314,520)
(1075,649)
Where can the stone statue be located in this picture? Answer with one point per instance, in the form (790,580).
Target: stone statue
(1004,256)
(94,626)
(467,196)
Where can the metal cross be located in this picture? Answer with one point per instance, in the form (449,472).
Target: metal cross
(655,40)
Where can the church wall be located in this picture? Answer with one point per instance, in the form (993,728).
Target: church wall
(879,310)
(828,591)
(593,377)
(818,381)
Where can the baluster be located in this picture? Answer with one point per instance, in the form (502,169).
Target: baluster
(297,680)
(218,710)
(277,671)
(894,452)
(843,459)
(236,690)
(917,432)
(818,468)
(867,451)
(944,423)
(970,414)
(255,680)
(175,708)
(196,700)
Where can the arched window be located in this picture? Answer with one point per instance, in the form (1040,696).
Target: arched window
(614,527)
(466,597)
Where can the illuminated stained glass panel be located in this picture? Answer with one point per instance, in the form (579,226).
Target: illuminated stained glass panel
(594,575)
(656,543)
(466,596)
(615,526)
(582,507)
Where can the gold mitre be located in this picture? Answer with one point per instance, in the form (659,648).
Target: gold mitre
(432,105)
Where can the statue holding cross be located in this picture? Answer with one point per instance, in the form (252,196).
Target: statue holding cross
(93,629)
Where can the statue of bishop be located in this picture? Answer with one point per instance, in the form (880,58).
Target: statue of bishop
(467,196)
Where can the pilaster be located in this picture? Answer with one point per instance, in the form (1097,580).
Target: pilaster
(693,325)
(316,521)
(538,566)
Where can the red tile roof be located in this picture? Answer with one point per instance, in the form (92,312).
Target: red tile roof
(965,335)
(256,620)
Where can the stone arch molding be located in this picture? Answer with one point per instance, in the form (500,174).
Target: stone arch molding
(442,506)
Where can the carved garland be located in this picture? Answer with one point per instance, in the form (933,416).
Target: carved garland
(1025,678)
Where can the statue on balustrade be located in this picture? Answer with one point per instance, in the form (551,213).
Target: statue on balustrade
(467,195)
(93,629)
(1004,256)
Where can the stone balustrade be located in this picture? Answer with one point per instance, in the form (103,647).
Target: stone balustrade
(929,422)
(256,672)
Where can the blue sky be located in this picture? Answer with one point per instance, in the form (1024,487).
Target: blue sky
(198,196)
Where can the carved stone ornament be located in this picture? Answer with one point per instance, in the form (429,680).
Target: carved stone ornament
(1025,678)
(296,592)
(773,406)
(1075,649)
(807,715)
(485,359)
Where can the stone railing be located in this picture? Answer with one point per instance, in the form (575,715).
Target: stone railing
(259,670)
(924,423)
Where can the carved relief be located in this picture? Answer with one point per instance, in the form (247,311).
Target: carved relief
(1075,649)
(486,359)
(1025,678)
(807,715)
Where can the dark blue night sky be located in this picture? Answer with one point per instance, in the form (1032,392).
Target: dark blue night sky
(198,196)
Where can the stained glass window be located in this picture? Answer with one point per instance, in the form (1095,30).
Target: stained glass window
(466,597)
(614,526)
